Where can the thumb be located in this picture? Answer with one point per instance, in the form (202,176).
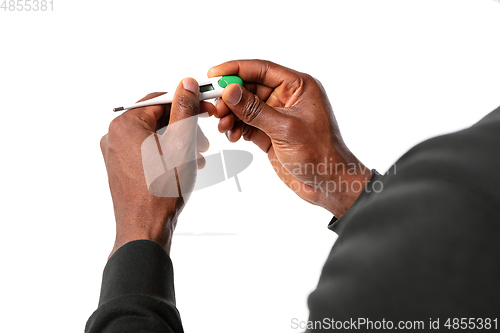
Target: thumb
(178,142)
(186,100)
(250,108)
(180,136)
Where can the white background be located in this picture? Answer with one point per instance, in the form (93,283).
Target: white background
(397,72)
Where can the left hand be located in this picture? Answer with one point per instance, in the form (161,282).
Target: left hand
(288,115)
(138,213)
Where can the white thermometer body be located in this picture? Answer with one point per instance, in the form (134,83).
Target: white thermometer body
(212,88)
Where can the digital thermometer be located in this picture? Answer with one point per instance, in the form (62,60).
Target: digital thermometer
(210,89)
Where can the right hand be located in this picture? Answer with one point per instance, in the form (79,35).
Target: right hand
(139,212)
(288,115)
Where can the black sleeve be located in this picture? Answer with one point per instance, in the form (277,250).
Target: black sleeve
(422,241)
(137,292)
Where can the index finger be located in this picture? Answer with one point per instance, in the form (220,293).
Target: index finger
(257,71)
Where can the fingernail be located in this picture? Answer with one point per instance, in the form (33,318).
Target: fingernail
(233,97)
(191,85)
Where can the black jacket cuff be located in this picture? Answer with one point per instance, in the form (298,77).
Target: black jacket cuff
(369,188)
(138,267)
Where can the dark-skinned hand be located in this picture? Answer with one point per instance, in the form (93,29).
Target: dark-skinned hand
(287,114)
(138,213)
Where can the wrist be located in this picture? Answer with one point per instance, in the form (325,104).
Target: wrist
(347,183)
(138,228)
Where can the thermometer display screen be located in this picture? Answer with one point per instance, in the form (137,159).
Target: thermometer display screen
(206,87)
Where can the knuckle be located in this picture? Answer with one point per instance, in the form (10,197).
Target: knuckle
(311,80)
(264,70)
(119,124)
(143,117)
(103,141)
(307,77)
(117,127)
(246,132)
(297,84)
(251,110)
(188,103)
(104,144)
(116,124)
(316,81)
